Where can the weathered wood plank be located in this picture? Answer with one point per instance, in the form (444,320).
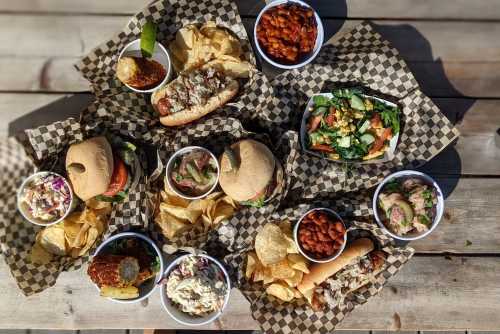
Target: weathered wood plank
(50,35)
(464,290)
(470,223)
(451,68)
(426,9)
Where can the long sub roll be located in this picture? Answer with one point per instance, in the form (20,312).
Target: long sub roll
(193,95)
(358,264)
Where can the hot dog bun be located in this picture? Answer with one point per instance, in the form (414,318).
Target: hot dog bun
(319,272)
(188,115)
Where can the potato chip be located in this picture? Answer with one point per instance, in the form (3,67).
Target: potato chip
(128,292)
(52,240)
(73,224)
(221,211)
(92,236)
(81,238)
(170,225)
(281,291)
(39,255)
(298,262)
(181,213)
(295,279)
(251,264)
(270,244)
(308,295)
(171,198)
(282,270)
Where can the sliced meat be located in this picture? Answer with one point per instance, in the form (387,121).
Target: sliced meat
(409,184)
(387,201)
(163,106)
(314,123)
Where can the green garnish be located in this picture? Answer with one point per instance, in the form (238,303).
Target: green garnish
(193,171)
(427,195)
(392,186)
(423,219)
(148,39)
(233,159)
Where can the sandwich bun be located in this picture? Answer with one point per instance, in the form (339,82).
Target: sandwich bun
(255,171)
(319,272)
(195,112)
(90,166)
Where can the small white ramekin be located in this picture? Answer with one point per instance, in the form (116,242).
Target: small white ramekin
(303,252)
(23,210)
(319,38)
(186,319)
(170,165)
(427,180)
(160,55)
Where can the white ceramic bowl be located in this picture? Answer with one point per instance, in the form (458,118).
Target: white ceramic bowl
(23,209)
(319,38)
(303,252)
(145,290)
(388,155)
(170,165)
(160,55)
(182,317)
(403,175)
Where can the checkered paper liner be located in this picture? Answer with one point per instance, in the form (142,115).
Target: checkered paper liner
(133,111)
(215,134)
(359,58)
(275,316)
(44,148)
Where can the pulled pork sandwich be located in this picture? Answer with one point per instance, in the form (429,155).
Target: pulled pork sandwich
(193,95)
(330,282)
(250,174)
(102,168)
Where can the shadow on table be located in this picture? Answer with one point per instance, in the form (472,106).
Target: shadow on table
(68,106)
(429,72)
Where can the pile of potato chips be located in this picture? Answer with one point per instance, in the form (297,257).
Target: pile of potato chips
(195,47)
(74,236)
(177,215)
(277,262)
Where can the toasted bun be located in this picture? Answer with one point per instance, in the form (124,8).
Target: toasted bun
(188,115)
(256,170)
(90,165)
(319,272)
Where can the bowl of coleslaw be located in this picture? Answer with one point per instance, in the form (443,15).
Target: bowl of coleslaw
(45,198)
(195,289)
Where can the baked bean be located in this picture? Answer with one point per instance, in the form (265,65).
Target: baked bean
(287,32)
(320,235)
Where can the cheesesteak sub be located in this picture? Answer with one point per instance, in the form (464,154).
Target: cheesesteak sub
(329,283)
(193,95)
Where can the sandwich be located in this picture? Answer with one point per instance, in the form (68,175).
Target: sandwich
(193,95)
(250,174)
(102,169)
(330,282)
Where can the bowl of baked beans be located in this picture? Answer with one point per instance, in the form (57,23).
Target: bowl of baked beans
(288,33)
(320,235)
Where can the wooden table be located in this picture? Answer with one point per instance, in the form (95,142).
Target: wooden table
(453,47)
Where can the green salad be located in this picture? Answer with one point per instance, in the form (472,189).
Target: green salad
(350,126)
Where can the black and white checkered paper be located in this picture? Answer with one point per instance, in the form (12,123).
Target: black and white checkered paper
(132,111)
(275,316)
(359,58)
(44,148)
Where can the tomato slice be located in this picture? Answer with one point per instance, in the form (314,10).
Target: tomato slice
(379,142)
(323,148)
(118,178)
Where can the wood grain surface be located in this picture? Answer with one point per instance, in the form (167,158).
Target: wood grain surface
(453,49)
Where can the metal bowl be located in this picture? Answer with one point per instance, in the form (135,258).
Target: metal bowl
(160,55)
(330,212)
(145,290)
(24,210)
(403,175)
(317,46)
(170,165)
(182,317)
